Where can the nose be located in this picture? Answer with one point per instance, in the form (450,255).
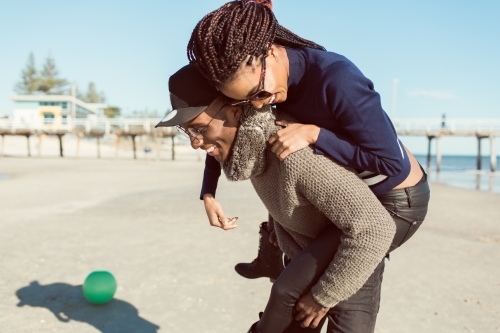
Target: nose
(258,103)
(195,142)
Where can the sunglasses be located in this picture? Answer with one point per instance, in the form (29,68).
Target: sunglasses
(261,93)
(196,133)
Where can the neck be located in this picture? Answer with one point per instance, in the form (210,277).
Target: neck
(283,59)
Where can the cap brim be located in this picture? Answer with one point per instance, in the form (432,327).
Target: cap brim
(180,116)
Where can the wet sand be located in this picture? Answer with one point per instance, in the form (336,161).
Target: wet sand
(62,218)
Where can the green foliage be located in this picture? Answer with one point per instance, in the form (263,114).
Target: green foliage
(91,96)
(50,83)
(30,81)
(145,114)
(112,111)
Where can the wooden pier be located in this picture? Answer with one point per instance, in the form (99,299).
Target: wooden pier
(96,129)
(433,129)
(436,129)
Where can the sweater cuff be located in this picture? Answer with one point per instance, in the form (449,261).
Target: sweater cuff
(322,298)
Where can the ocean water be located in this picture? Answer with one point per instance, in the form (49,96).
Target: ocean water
(461,171)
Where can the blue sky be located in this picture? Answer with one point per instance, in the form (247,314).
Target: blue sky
(445,53)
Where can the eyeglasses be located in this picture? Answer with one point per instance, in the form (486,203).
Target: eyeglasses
(195,133)
(261,93)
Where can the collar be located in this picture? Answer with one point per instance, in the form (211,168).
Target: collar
(248,152)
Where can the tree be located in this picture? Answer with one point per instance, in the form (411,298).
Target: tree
(29,78)
(93,96)
(145,113)
(50,83)
(79,94)
(112,111)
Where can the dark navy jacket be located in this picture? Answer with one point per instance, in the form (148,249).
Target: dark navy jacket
(326,89)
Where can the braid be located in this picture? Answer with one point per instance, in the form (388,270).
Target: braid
(285,37)
(224,38)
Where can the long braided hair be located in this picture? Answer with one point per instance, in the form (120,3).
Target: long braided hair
(224,38)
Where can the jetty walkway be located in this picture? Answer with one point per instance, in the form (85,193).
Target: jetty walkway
(130,128)
(437,128)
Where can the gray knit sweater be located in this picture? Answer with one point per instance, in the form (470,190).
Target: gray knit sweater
(304,193)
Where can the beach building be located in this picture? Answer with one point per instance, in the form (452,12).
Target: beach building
(54,111)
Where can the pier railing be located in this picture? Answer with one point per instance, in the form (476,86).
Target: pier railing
(404,126)
(436,128)
(92,127)
(432,128)
(455,126)
(107,126)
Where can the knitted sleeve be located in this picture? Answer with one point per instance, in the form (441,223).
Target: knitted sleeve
(367,227)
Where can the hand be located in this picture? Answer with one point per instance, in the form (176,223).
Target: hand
(292,138)
(216,215)
(272,234)
(309,311)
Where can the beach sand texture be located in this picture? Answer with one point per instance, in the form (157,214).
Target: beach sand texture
(62,218)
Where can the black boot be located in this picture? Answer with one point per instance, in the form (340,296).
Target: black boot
(269,261)
(253,329)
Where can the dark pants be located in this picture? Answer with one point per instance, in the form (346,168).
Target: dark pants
(358,313)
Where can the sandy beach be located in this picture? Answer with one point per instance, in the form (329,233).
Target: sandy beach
(61,218)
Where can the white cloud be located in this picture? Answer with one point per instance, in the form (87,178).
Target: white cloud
(436,94)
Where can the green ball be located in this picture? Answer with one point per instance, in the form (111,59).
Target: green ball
(99,287)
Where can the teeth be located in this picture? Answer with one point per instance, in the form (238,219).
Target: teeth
(272,99)
(211,149)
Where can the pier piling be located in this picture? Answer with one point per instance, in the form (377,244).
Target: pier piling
(429,138)
(493,154)
(61,151)
(98,147)
(28,141)
(479,152)
(438,153)
(133,146)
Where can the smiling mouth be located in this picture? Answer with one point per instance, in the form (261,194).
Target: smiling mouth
(210,150)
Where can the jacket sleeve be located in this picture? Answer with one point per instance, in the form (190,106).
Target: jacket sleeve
(367,228)
(371,141)
(210,176)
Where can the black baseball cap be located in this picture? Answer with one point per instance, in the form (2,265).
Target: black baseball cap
(190,95)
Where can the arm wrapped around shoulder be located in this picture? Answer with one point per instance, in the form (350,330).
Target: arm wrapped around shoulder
(367,227)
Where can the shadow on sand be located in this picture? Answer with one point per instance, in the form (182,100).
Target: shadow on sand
(67,303)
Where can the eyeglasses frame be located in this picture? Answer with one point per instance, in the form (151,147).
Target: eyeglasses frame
(198,132)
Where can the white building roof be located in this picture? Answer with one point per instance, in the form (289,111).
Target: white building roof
(95,107)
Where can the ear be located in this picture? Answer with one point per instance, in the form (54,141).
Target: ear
(273,52)
(235,113)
